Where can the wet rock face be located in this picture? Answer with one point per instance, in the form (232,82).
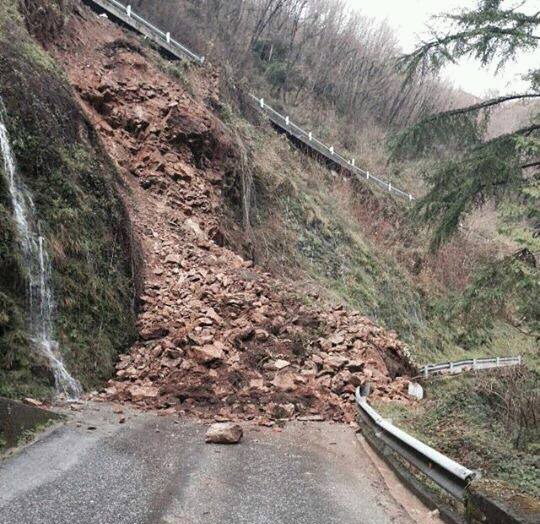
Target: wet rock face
(218,337)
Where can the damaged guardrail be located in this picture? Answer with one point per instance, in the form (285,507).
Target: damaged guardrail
(126,14)
(448,474)
(285,123)
(470,365)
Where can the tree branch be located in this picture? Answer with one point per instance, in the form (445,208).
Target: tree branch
(481,105)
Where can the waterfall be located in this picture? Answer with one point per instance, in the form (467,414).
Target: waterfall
(37,268)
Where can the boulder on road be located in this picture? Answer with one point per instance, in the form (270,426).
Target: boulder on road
(224,433)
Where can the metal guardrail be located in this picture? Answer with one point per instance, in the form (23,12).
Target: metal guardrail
(285,123)
(126,14)
(470,365)
(129,17)
(448,474)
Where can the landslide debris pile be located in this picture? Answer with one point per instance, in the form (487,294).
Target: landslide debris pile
(218,337)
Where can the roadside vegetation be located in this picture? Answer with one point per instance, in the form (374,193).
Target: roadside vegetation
(489,421)
(80,211)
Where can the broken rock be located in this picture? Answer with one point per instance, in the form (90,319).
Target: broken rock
(224,433)
(207,354)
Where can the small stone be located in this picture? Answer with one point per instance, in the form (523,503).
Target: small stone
(280,364)
(33,402)
(207,354)
(284,381)
(224,433)
(142,392)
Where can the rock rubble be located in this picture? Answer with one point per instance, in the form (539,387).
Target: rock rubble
(219,338)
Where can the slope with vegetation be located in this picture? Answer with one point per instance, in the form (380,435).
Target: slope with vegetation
(205,181)
(335,72)
(80,212)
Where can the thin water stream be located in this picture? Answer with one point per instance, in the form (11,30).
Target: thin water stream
(37,268)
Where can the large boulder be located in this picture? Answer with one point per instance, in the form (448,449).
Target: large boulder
(224,433)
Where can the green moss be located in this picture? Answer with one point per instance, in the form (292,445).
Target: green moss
(81,215)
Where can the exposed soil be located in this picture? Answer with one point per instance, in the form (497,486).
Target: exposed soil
(218,337)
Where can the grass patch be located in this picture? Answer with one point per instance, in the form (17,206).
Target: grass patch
(489,422)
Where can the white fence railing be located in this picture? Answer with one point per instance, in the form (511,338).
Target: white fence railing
(285,123)
(474,364)
(165,40)
(128,16)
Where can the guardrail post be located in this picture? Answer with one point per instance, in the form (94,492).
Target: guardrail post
(498,362)
(451,367)
(310,136)
(168,36)
(390,186)
(426,373)
(287,120)
(367,175)
(474,364)
(519,360)
(410,197)
(332,149)
(262,103)
(202,60)
(128,10)
(353,161)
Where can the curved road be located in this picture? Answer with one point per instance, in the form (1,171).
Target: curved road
(158,470)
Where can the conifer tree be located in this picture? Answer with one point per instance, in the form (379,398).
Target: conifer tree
(471,170)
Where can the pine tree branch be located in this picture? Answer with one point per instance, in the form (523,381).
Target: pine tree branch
(479,106)
(531,164)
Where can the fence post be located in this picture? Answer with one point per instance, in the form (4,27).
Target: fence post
(128,9)
(168,35)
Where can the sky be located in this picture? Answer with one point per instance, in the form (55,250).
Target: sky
(409,19)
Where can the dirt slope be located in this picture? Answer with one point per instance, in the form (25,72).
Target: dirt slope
(217,336)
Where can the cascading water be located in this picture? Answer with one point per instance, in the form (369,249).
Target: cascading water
(37,267)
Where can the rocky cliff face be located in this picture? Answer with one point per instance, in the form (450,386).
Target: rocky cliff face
(81,215)
(217,336)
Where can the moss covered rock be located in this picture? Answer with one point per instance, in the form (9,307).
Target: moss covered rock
(81,215)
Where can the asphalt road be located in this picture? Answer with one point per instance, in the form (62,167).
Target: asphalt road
(158,470)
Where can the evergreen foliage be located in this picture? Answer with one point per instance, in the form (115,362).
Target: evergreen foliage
(472,170)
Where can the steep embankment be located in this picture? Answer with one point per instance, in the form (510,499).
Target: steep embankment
(80,215)
(216,333)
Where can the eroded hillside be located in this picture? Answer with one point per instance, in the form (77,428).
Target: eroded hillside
(215,331)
